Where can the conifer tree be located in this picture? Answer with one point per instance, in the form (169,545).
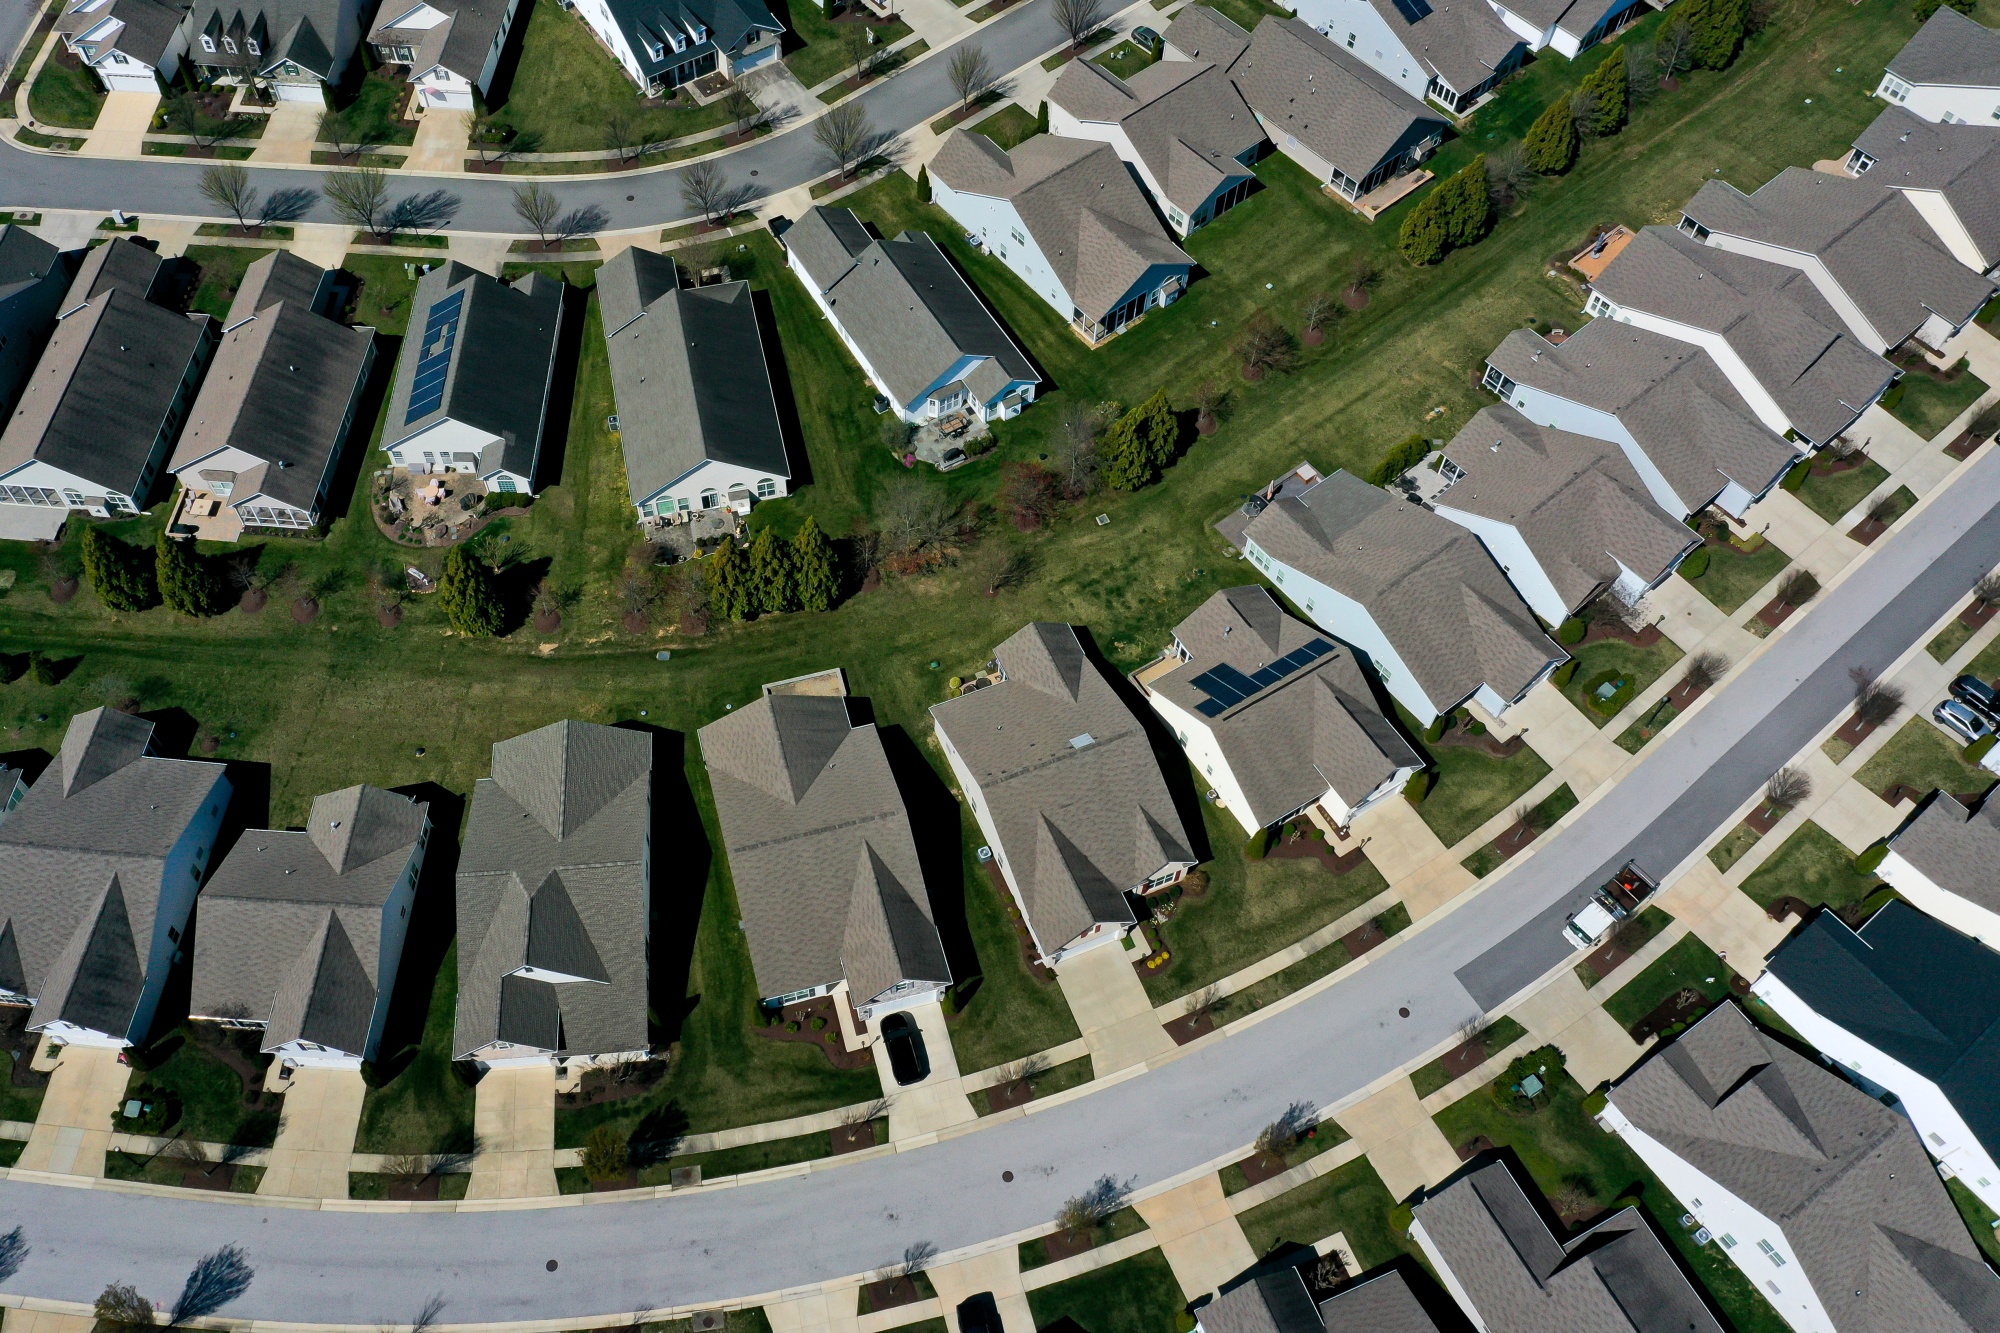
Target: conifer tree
(1550,147)
(812,567)
(1609,88)
(729,582)
(1422,239)
(1042,118)
(188,583)
(772,580)
(1140,444)
(1719,26)
(119,573)
(1469,206)
(924,183)
(468,596)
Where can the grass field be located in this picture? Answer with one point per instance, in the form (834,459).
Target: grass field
(1920,756)
(1689,964)
(1638,667)
(824,51)
(1472,786)
(1831,495)
(1927,406)
(1008,126)
(425,1107)
(1734,576)
(1813,866)
(65,95)
(1350,1199)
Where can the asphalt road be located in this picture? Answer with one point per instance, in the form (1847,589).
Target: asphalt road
(772,165)
(615,1256)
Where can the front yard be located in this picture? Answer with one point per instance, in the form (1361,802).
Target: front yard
(222,269)
(1922,758)
(205,1081)
(1813,866)
(1136,1295)
(1471,785)
(416,1101)
(1350,1199)
(1688,965)
(1926,404)
(1624,667)
(1736,573)
(825,51)
(64,93)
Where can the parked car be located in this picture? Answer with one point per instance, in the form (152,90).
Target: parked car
(1983,698)
(907,1057)
(1147,38)
(1619,897)
(1962,720)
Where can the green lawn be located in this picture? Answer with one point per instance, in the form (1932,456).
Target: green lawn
(1068,1074)
(1632,935)
(386,291)
(1543,817)
(1136,1295)
(425,1107)
(1812,865)
(1733,846)
(1472,786)
(1125,1222)
(1832,494)
(747,1158)
(1351,1199)
(825,52)
(66,95)
(1322,1136)
(17,1103)
(1650,724)
(1622,662)
(1733,576)
(1926,406)
(1496,1038)
(1979,1220)
(221,274)
(1125,59)
(1689,964)
(1949,640)
(217,1105)
(1008,126)
(376,110)
(1986,664)
(1921,756)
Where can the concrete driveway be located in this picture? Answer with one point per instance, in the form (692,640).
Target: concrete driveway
(443,138)
(121,125)
(514,1122)
(73,1130)
(316,1130)
(290,133)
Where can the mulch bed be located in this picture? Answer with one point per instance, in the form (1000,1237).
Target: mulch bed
(1259,1167)
(1613,628)
(1308,847)
(1685,693)
(628,1181)
(1362,938)
(548,622)
(1514,838)
(1607,957)
(1854,731)
(1474,1146)
(635,623)
(1898,792)
(1975,616)
(620,1082)
(826,1038)
(305,610)
(1463,1059)
(1764,818)
(1683,1006)
(1827,466)
(853,1138)
(428,1188)
(1002,1096)
(252,601)
(1186,1028)
(1776,612)
(485,168)
(221,1178)
(891,1292)
(1355,298)
(1029,955)
(390,615)
(1065,1244)
(1867,530)
(1962,447)
(62,590)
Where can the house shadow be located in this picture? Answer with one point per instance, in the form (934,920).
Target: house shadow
(562,389)
(433,923)
(1174,765)
(939,832)
(174,730)
(677,899)
(789,425)
(501,86)
(344,486)
(30,763)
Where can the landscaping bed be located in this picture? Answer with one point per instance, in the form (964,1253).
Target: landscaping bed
(1811,867)
(1350,1199)
(1632,935)
(1259,1167)
(1462,1059)
(1020,1091)
(1882,515)
(1517,836)
(429,1189)
(167,1169)
(817,1024)
(1062,1244)
(1959,632)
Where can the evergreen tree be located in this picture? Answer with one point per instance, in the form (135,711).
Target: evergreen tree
(1926,8)
(1422,239)
(812,567)
(1719,26)
(729,582)
(924,183)
(120,574)
(1042,115)
(468,597)
(188,583)
(1608,86)
(773,582)
(1140,444)
(1550,147)
(1468,206)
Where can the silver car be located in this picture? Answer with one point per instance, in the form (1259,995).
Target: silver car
(1961,720)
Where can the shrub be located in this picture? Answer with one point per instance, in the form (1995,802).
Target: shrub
(1550,146)
(1436,730)
(119,573)
(1422,239)
(812,567)
(1607,86)
(1042,118)
(1564,674)
(1260,843)
(1871,860)
(1400,459)
(771,578)
(1795,478)
(45,669)
(1454,214)
(1696,564)
(924,184)
(13,666)
(1594,1104)
(1140,444)
(605,1155)
(1719,26)
(729,582)
(1925,8)
(468,596)
(1798,588)
(1418,787)
(1571,632)
(188,583)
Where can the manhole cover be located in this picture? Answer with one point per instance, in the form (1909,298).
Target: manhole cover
(1402,1013)
(551,1265)
(1007,1176)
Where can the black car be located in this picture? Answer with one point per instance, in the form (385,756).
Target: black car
(1979,695)
(1147,38)
(907,1059)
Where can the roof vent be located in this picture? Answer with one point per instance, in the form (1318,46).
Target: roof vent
(1083,742)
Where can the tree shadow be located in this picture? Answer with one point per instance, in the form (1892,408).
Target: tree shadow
(940,837)
(433,922)
(789,424)
(516,582)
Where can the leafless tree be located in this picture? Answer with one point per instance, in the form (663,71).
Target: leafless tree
(1085,1212)
(228,187)
(1265,345)
(1211,401)
(914,517)
(1317,311)
(1789,788)
(1641,78)
(621,133)
(1674,48)
(1875,702)
(359,198)
(121,1306)
(188,114)
(741,107)
(1571,1200)
(408,1169)
(1074,450)
(1330,1271)
(1885,510)
(1365,273)
(536,204)
(215,1281)
(1987,589)
(1078,18)
(970,71)
(1704,669)
(495,140)
(1798,587)
(1030,1066)
(917,1256)
(845,135)
(705,188)
(862,1113)
(189,1152)
(287,205)
(1203,1002)
(348,134)
(1282,1135)
(427,1314)
(858,41)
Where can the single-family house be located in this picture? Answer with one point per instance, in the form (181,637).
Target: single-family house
(662,44)
(1063,782)
(99,867)
(1199,32)
(1492,1246)
(1452,52)
(1277,1300)
(1344,122)
(1948,73)
(130,45)
(448,49)
(1950,173)
(919,330)
(1565,516)
(1417,595)
(555,900)
(473,381)
(1691,437)
(1822,1196)
(1067,217)
(1943,862)
(1180,126)
(274,416)
(696,414)
(1567,27)
(1769,327)
(1864,246)
(1278,717)
(34,276)
(820,850)
(302,930)
(296,49)
(1906,1005)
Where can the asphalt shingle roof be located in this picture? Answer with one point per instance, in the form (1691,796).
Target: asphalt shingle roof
(460,43)
(1950,49)
(25,258)
(120,264)
(1271,1302)
(1461,41)
(278,276)
(1956,849)
(149,25)
(1382,1304)
(1184,118)
(1959,161)
(1202,33)
(301,31)
(730,24)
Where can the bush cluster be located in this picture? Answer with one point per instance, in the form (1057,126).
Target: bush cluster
(1140,444)
(775,576)
(189,582)
(1400,459)
(120,573)
(469,595)
(1455,214)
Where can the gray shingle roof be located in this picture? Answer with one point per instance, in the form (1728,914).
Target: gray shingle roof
(688,368)
(1577,502)
(1316,729)
(460,43)
(1956,849)
(1270,1302)
(1347,114)
(1201,33)
(1843,1175)
(1427,583)
(1185,119)
(278,276)
(290,923)
(1462,41)
(1069,780)
(302,31)
(820,850)
(1960,161)
(149,25)
(1382,1304)
(81,862)
(1617,1277)
(120,264)
(1950,49)
(729,24)
(1079,202)
(25,258)
(553,878)
(1673,400)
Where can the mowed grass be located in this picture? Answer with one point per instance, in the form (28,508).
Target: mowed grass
(816,47)
(1832,494)
(1920,756)
(1350,1199)
(1734,576)
(1638,667)
(65,94)
(1812,865)
(1136,1295)
(222,269)
(1472,786)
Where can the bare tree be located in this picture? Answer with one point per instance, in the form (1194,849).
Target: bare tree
(13,1253)
(215,1281)
(536,204)
(703,189)
(287,205)
(858,42)
(1987,589)
(1885,510)
(1674,48)
(1282,1135)
(1583,105)
(1874,701)
(189,115)
(1365,273)
(741,107)
(845,135)
(348,134)
(1704,669)
(1203,1003)
(1315,313)
(1210,400)
(228,188)
(1798,587)
(1264,345)
(917,1256)
(862,1113)
(121,1306)
(495,140)
(1789,788)
(1640,80)
(970,71)
(1074,449)
(621,133)
(1030,1066)
(1078,18)
(426,212)
(913,517)
(359,198)
(1089,1210)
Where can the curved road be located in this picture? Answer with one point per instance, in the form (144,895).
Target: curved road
(616,1256)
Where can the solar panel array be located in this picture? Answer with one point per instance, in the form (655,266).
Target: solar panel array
(1414,10)
(434,357)
(1227,687)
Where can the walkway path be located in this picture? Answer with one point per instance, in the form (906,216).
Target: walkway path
(514,1123)
(315,1146)
(73,1130)
(1198,1232)
(1402,1143)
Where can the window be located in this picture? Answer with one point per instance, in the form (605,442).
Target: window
(766,488)
(1895,89)
(251,43)
(174,934)
(1494,382)
(1728,1241)
(118,59)
(73,497)
(229,45)
(1771,1253)
(709,499)
(1776,1290)
(207,42)
(1597,305)
(1019,239)
(505,485)
(1350,41)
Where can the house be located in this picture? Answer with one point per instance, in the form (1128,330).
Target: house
(296,49)
(1864,246)
(302,931)
(1948,73)
(1692,438)
(696,415)
(1062,779)
(1277,717)
(99,867)
(13,787)
(555,901)
(1453,52)
(1770,328)
(448,48)
(472,391)
(128,264)
(1277,1301)
(1201,33)
(1567,27)
(1493,1248)
(919,330)
(1906,1005)
(1415,594)
(662,44)
(1345,123)
(34,276)
(1821,1196)
(820,851)
(1942,862)
(271,424)
(1565,516)
(1180,126)
(132,46)
(1949,173)
(1067,217)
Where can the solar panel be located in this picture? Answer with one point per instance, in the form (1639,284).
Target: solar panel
(1226,687)
(1413,10)
(434,357)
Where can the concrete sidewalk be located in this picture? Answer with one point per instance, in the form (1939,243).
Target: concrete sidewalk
(830,1310)
(1567,741)
(315,1145)
(1111,1009)
(1402,1142)
(1199,1234)
(1562,1013)
(514,1122)
(73,1131)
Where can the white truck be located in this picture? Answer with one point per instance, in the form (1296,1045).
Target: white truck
(1622,895)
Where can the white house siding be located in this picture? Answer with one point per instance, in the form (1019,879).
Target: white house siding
(130,77)
(1961,914)
(1510,550)
(441,89)
(448,446)
(1288,144)
(1548,409)
(1349,621)
(693,490)
(1816,272)
(1940,103)
(1944,220)
(1446,1276)
(1535,37)
(1198,743)
(1356,26)
(597,14)
(999,226)
(1739,1228)
(395,930)
(33,481)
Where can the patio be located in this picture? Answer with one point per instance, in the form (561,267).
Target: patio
(207,516)
(942,442)
(702,528)
(428,510)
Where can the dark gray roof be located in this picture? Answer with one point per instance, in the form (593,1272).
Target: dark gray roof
(1950,49)
(1957,850)
(25,258)
(553,878)
(120,264)
(1271,1302)
(1843,1175)
(1069,780)
(1672,399)
(1185,119)
(1462,41)
(301,31)
(101,391)
(501,365)
(1201,33)
(1427,583)
(461,43)
(1577,502)
(1960,161)
(1308,87)
(290,929)
(1317,728)
(278,276)
(81,861)
(698,25)
(149,25)
(826,872)
(688,368)
(1382,1304)
(1617,1277)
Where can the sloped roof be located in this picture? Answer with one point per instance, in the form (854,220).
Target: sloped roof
(1960,161)
(120,264)
(1427,583)
(149,25)
(820,850)
(727,24)
(1271,1302)
(460,43)
(297,30)
(1382,1304)
(1202,33)
(1184,118)
(1950,49)
(1070,783)
(1956,849)
(1306,86)
(1843,1175)
(25,259)
(1461,41)
(278,276)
